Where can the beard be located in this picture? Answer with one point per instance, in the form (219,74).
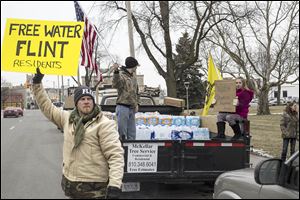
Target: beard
(86,110)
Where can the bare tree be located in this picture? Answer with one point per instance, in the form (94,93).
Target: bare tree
(258,43)
(157,22)
(288,66)
(4,90)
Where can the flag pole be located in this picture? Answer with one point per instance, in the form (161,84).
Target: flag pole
(78,75)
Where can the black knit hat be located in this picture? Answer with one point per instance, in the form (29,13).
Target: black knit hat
(82,91)
(131,62)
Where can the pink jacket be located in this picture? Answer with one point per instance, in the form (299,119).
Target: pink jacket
(245,97)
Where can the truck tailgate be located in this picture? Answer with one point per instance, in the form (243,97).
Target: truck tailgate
(182,160)
(147,160)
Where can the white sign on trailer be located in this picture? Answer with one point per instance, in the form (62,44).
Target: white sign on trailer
(142,157)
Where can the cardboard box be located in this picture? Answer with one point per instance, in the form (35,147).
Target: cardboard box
(174,102)
(210,122)
(225,93)
(69,102)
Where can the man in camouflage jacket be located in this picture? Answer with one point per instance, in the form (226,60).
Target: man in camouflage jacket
(125,82)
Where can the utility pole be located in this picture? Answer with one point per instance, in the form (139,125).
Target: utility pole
(130,31)
(62,89)
(186,85)
(78,76)
(58,89)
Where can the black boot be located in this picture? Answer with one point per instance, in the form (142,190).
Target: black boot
(221,131)
(237,132)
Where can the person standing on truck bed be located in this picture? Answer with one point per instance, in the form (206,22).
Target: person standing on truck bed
(244,96)
(289,125)
(93,158)
(124,80)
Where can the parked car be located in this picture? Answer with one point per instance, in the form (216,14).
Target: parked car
(273,102)
(291,99)
(254,102)
(20,111)
(58,104)
(10,111)
(271,179)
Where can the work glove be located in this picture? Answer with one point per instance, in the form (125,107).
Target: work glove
(115,68)
(37,77)
(113,192)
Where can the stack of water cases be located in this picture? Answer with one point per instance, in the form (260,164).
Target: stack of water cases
(153,126)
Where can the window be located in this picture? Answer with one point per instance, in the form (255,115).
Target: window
(145,101)
(284,93)
(275,94)
(111,101)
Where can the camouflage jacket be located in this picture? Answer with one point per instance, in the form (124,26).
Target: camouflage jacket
(127,87)
(99,157)
(289,126)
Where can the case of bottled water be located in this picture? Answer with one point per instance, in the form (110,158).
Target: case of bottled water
(192,121)
(200,133)
(178,120)
(143,133)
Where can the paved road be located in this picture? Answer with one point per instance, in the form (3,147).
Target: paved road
(31,157)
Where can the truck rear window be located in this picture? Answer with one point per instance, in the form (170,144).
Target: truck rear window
(113,100)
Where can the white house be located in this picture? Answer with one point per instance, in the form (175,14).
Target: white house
(287,90)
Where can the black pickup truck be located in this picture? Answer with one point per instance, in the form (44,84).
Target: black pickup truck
(178,161)
(147,104)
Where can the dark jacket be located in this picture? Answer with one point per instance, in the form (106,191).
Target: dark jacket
(127,87)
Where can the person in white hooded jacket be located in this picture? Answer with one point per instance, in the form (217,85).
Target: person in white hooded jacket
(93,157)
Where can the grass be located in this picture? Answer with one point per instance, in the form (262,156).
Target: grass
(264,129)
(266,133)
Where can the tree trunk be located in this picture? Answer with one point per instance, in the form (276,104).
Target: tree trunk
(87,81)
(171,86)
(263,106)
(278,94)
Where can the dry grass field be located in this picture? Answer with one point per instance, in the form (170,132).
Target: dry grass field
(265,130)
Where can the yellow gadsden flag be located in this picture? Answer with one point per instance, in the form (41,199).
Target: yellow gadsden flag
(213,74)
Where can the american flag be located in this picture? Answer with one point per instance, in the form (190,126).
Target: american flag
(88,40)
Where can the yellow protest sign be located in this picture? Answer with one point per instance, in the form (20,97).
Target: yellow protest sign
(53,46)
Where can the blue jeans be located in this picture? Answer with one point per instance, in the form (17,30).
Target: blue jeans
(126,122)
(285,145)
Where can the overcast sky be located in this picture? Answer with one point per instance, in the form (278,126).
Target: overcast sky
(64,11)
